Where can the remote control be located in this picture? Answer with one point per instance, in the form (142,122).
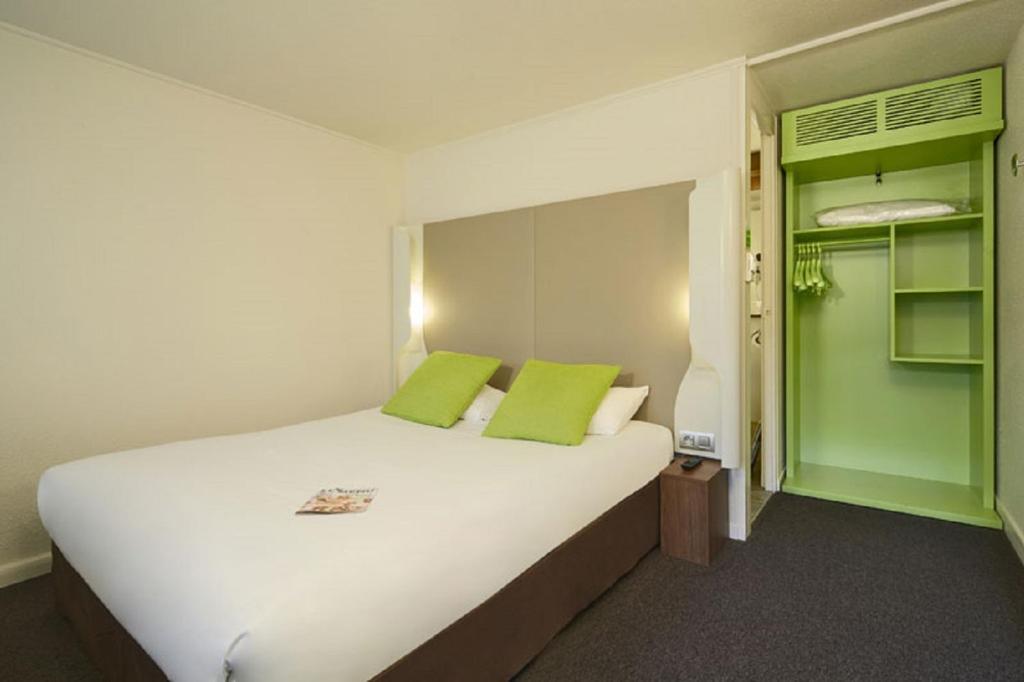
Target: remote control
(691,463)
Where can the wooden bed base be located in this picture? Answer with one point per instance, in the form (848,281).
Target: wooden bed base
(494,641)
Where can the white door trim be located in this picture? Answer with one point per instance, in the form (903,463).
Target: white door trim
(772,462)
(771,316)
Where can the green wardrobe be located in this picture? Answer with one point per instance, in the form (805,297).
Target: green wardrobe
(890,372)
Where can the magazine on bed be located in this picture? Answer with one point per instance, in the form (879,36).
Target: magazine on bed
(339,501)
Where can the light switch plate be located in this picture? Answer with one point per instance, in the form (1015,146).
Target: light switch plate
(697,440)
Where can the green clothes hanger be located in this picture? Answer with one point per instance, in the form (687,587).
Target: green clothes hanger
(798,277)
(814,277)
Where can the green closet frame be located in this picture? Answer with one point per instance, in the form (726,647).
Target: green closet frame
(890,394)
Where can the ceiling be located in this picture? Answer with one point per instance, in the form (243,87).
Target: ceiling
(407,74)
(960,39)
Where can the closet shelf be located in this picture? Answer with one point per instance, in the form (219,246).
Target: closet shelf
(826,233)
(937,499)
(952,222)
(940,290)
(957,221)
(939,359)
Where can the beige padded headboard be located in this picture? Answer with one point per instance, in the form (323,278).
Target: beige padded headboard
(602,279)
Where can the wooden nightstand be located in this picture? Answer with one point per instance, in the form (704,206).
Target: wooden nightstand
(694,511)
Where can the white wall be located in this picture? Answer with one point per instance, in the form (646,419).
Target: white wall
(687,128)
(682,129)
(1010,313)
(172,265)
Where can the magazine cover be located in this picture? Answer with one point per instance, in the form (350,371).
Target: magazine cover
(339,501)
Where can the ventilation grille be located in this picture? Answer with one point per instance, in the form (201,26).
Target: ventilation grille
(851,120)
(930,105)
(862,128)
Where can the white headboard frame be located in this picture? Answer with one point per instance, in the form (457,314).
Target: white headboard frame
(710,395)
(407,308)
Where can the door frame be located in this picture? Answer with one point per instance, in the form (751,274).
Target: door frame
(771,316)
(772,368)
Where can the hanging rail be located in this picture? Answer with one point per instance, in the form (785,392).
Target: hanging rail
(851,242)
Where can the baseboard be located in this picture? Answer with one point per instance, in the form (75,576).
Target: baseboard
(17,571)
(1013,530)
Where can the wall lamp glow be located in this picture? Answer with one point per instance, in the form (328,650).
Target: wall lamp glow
(416,307)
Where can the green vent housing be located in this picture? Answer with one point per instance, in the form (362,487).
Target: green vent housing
(895,129)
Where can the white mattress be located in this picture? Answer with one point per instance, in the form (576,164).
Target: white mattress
(196,550)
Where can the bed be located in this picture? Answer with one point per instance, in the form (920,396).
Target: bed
(186,560)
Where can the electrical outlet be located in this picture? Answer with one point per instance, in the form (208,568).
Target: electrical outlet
(697,440)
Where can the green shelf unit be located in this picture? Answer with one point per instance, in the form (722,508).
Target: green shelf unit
(940,290)
(822,234)
(939,359)
(937,325)
(937,258)
(947,222)
(890,376)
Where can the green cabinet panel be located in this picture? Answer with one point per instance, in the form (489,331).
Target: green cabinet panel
(889,375)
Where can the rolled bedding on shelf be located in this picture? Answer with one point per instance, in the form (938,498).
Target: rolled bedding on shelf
(886,212)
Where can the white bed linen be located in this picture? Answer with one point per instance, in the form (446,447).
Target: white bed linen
(196,550)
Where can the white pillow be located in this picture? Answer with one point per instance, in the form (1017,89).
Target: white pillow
(484,405)
(884,212)
(617,408)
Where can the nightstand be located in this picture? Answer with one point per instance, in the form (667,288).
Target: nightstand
(694,511)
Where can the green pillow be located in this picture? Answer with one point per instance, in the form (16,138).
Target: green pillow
(441,388)
(552,402)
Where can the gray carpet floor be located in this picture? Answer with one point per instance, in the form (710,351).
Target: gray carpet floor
(821,591)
